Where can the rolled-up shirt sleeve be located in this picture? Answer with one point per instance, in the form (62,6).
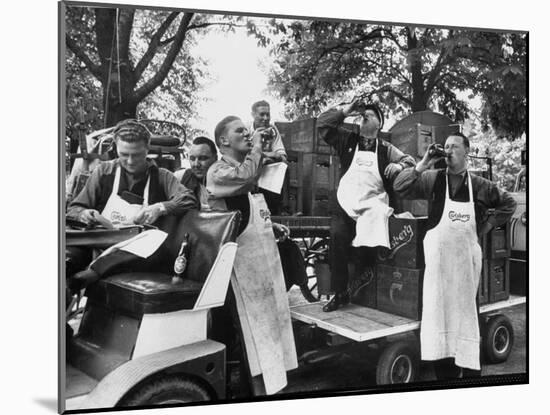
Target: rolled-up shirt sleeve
(180,198)
(226,180)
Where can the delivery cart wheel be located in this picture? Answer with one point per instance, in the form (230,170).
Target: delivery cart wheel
(165,391)
(498,339)
(398,363)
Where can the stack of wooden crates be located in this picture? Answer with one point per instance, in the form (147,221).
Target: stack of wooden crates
(313,169)
(400,269)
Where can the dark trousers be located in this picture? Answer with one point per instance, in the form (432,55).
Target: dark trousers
(341,253)
(292,261)
(446,369)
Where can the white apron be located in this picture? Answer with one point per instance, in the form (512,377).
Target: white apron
(449,325)
(119,211)
(262,301)
(362,196)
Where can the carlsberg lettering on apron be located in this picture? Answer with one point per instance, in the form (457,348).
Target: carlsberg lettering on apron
(362,196)
(262,301)
(449,325)
(119,211)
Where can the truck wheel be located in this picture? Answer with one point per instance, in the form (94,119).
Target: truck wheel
(398,363)
(166,391)
(498,339)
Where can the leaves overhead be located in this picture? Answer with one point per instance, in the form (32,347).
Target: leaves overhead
(128,62)
(408,69)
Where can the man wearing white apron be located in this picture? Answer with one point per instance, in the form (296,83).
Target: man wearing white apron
(459,201)
(257,300)
(127,190)
(368,165)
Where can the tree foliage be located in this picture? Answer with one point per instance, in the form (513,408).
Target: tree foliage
(407,68)
(130,62)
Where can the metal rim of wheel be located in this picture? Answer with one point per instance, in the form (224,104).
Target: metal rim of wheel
(401,369)
(501,339)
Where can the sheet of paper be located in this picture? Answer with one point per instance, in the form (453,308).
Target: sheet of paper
(272,177)
(142,245)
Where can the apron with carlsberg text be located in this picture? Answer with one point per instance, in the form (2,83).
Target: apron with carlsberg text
(449,326)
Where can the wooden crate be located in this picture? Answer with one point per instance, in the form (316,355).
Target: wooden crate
(320,181)
(518,276)
(406,243)
(415,139)
(399,290)
(295,168)
(292,201)
(301,136)
(483,290)
(497,243)
(363,286)
(418,207)
(498,275)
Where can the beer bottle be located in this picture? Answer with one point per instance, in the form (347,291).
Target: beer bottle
(180,264)
(437,151)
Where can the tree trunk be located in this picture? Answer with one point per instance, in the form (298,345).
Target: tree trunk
(419,99)
(119,111)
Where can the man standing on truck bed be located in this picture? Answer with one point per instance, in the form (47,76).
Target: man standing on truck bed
(368,166)
(459,204)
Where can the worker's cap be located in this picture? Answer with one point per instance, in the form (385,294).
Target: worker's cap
(377,111)
(132,131)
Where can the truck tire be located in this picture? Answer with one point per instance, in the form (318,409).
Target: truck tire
(498,339)
(398,363)
(169,390)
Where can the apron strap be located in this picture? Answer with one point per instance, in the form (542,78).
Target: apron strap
(116,183)
(146,192)
(470,188)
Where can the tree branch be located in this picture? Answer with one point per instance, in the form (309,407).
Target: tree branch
(153,45)
(161,74)
(391,36)
(430,83)
(80,54)
(203,25)
(390,90)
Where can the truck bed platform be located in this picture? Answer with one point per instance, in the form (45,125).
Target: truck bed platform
(361,323)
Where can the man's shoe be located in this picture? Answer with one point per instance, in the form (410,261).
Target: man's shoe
(338,300)
(307,294)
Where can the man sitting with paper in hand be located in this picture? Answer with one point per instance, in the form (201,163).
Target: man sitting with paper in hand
(125,191)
